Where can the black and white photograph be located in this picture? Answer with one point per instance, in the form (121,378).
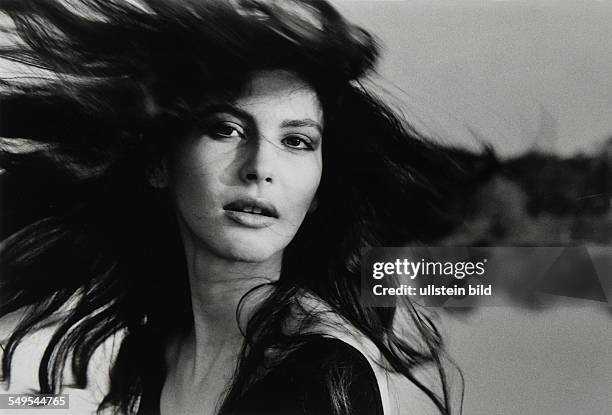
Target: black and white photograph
(306,207)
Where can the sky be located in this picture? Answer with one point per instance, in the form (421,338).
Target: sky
(516,74)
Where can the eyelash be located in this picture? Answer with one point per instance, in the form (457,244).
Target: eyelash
(307,144)
(215,131)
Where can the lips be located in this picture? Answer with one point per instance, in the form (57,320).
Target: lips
(252,206)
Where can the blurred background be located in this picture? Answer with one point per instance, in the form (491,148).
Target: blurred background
(531,79)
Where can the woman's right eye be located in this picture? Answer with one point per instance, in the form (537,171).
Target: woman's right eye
(225,130)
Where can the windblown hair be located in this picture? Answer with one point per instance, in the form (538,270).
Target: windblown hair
(113,86)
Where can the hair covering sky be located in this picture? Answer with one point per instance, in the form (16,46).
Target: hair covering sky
(519,74)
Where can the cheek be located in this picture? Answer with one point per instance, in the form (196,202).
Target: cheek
(305,186)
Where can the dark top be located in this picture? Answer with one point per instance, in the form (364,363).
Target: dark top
(300,384)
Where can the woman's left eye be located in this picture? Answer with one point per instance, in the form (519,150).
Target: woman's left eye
(297,142)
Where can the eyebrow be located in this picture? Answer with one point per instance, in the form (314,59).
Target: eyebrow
(237,112)
(307,122)
(227,108)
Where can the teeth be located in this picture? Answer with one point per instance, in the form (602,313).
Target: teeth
(252,209)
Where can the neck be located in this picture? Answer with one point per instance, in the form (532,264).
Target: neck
(217,286)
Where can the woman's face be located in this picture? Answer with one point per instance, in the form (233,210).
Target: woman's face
(244,181)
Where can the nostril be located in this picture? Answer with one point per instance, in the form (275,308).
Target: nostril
(255,177)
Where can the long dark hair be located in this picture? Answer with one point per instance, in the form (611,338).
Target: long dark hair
(112,85)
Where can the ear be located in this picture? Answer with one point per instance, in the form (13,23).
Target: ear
(157,174)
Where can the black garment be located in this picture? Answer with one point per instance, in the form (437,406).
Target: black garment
(299,384)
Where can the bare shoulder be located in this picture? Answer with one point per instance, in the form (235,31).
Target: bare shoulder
(27,357)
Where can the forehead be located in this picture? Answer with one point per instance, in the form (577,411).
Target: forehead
(279,93)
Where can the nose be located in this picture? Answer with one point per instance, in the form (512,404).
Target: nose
(258,165)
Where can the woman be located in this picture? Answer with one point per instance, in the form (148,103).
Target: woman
(211,173)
